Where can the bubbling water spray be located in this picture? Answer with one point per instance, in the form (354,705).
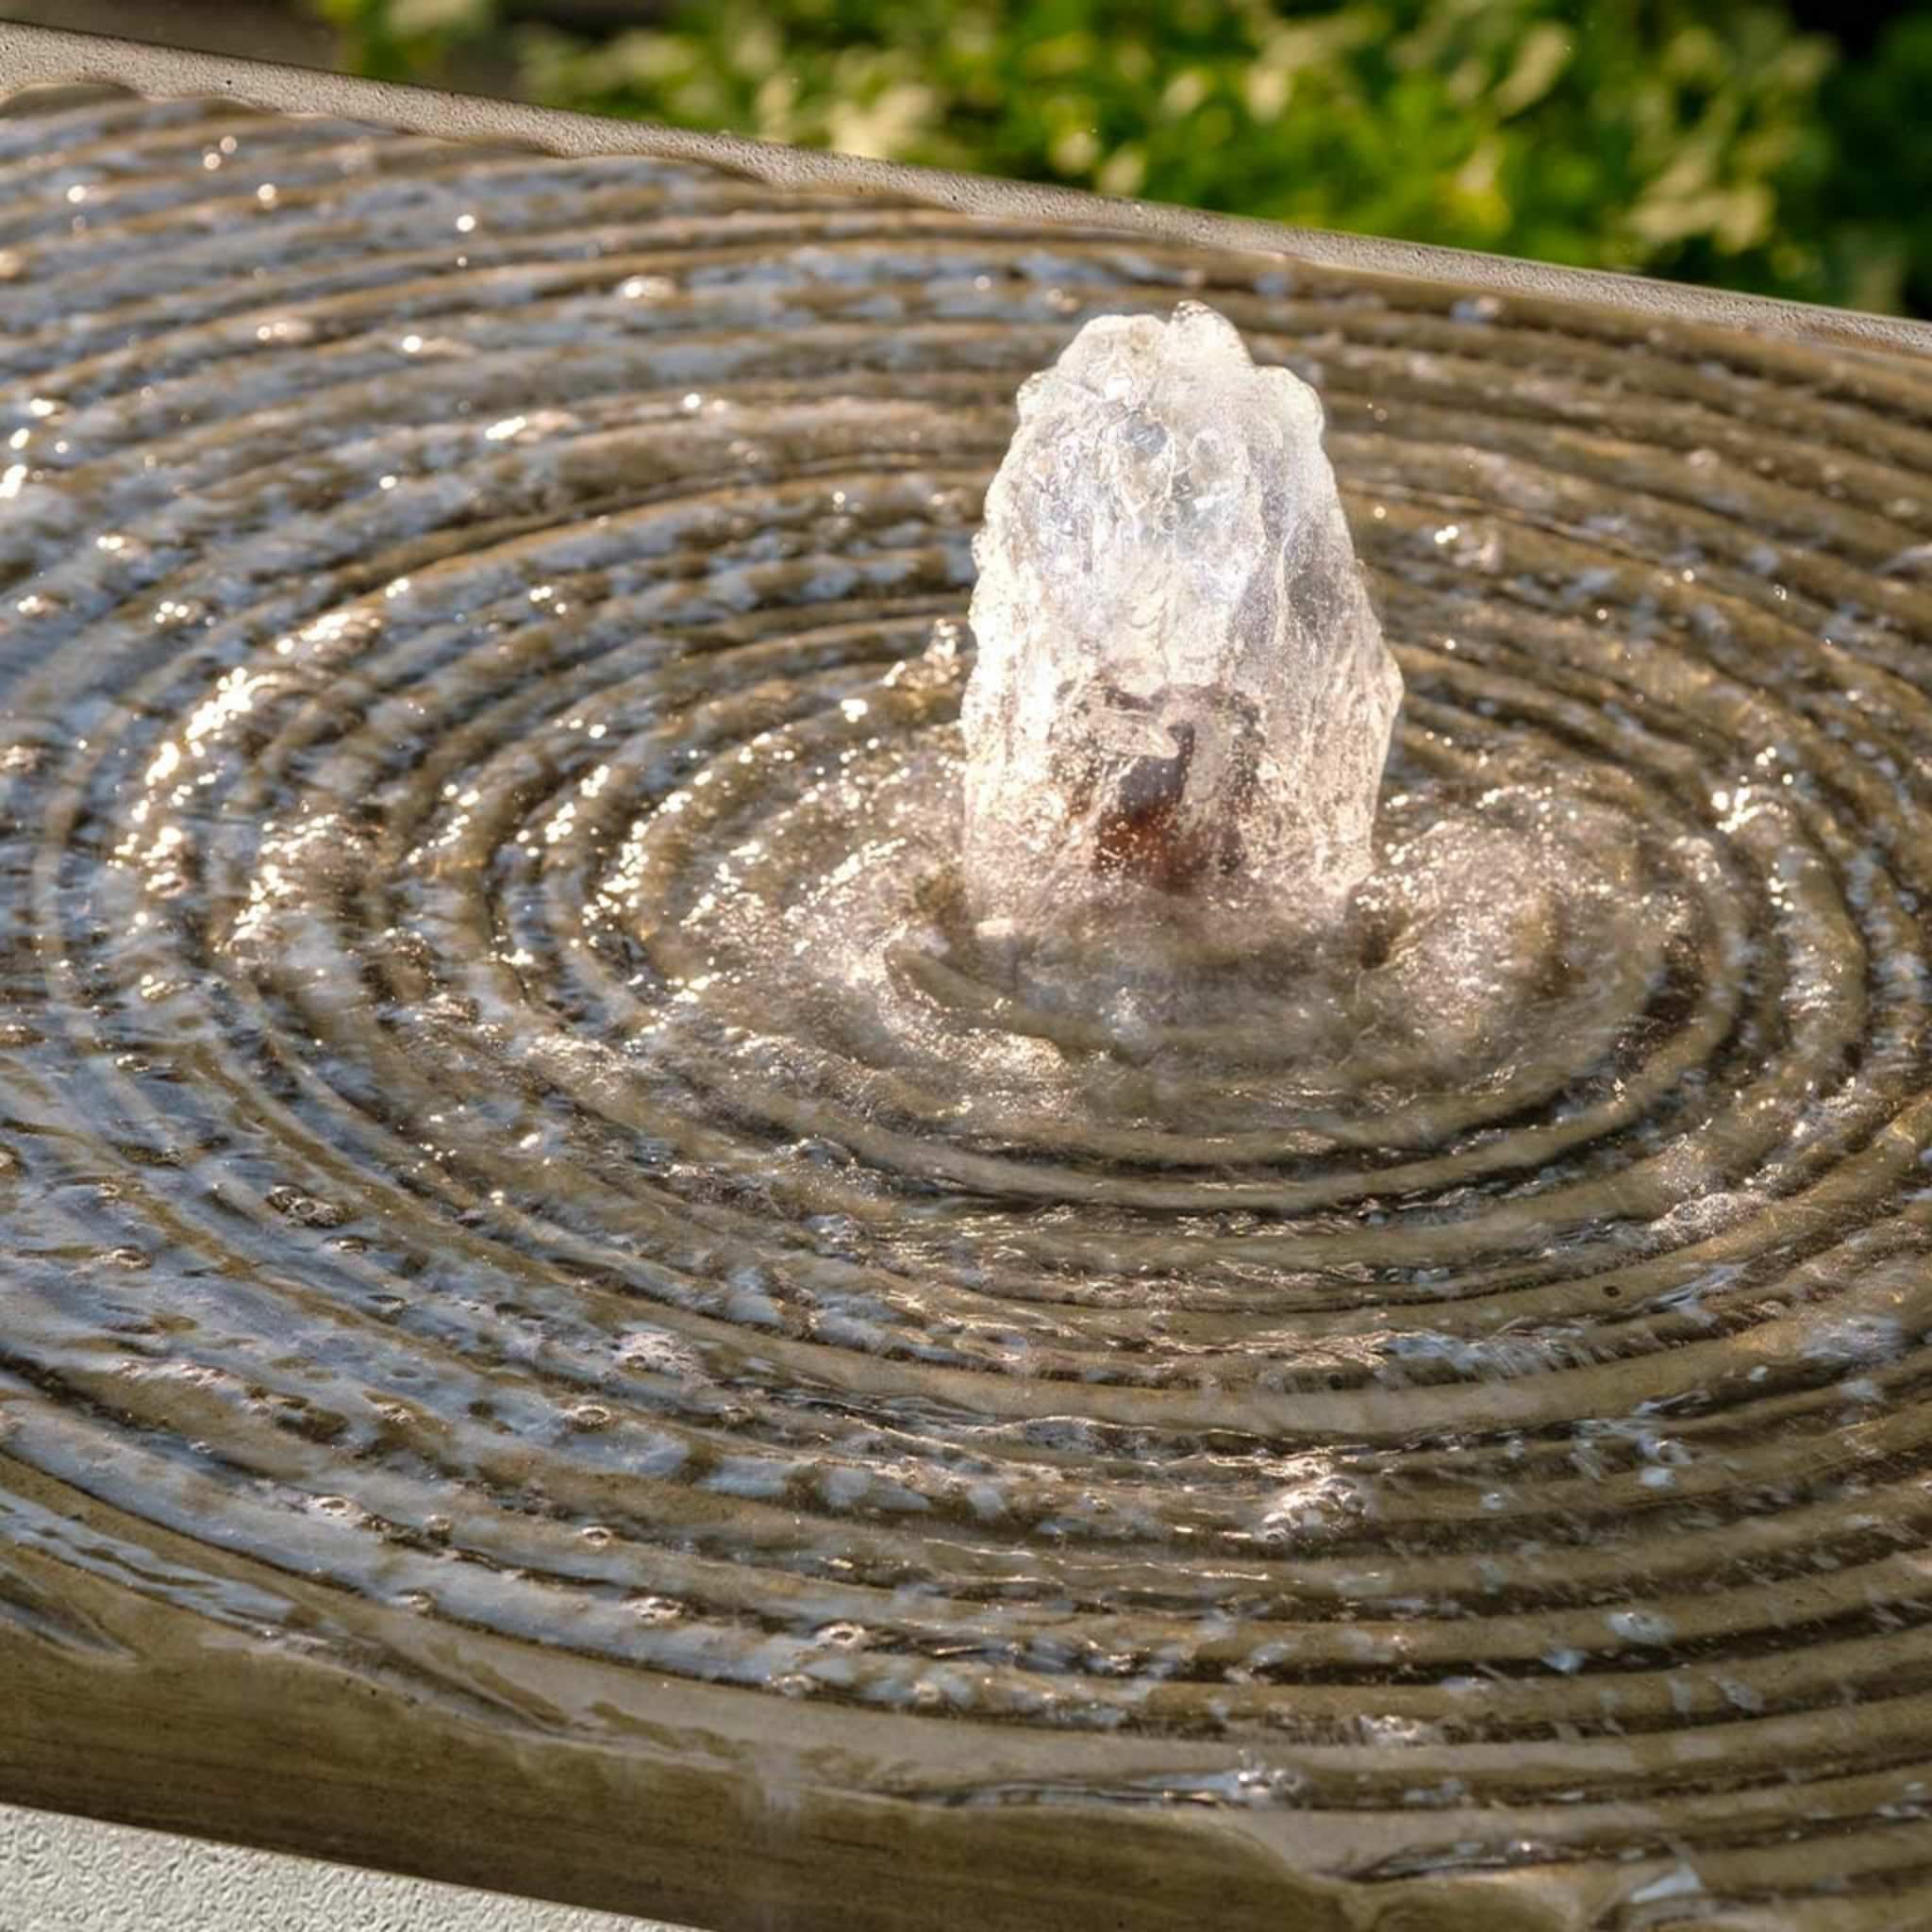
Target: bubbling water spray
(1182,693)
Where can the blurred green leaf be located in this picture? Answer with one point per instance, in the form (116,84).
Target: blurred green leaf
(405,39)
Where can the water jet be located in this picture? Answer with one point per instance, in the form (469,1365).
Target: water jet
(1179,681)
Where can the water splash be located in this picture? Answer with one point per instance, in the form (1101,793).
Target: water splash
(1181,686)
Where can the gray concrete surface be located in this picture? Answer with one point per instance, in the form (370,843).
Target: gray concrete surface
(70,1874)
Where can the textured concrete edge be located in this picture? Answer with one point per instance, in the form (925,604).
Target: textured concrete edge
(42,56)
(68,1875)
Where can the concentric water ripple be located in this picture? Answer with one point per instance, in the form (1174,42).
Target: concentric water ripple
(499,1110)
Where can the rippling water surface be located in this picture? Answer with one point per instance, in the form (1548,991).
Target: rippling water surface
(501,1111)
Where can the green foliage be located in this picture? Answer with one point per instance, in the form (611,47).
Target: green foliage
(1713,144)
(1876,215)
(403,39)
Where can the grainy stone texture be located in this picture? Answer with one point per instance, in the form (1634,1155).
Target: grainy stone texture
(70,1874)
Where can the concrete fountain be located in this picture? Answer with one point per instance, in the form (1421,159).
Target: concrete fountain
(590,1309)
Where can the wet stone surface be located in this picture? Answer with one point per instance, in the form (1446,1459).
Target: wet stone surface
(506,1117)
